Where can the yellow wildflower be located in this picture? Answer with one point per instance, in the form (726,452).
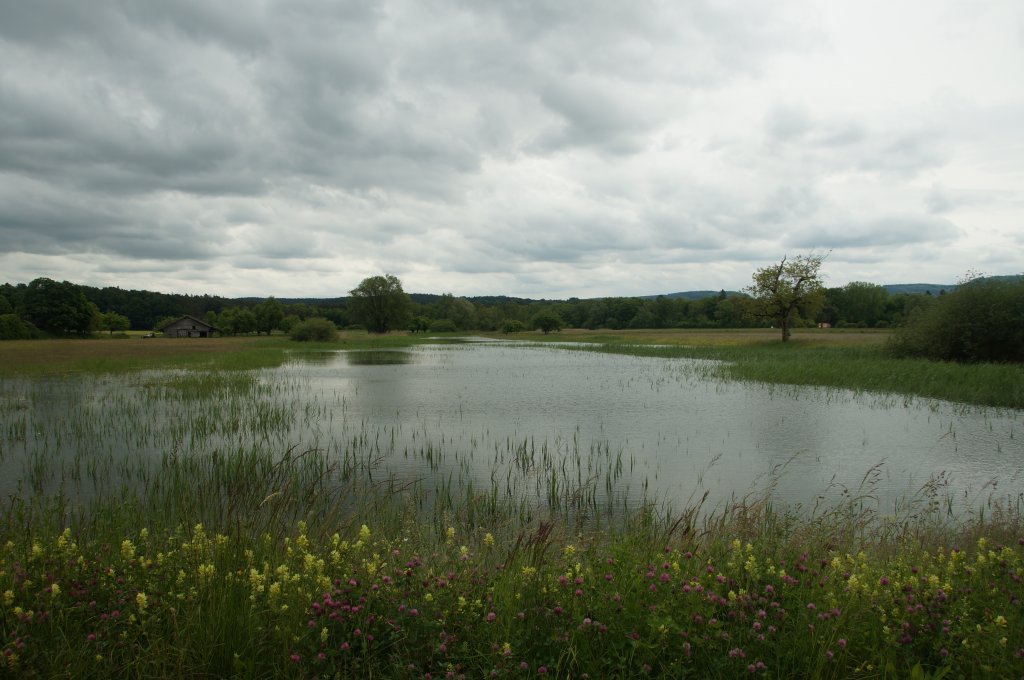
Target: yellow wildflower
(256,580)
(488,540)
(55,591)
(127,550)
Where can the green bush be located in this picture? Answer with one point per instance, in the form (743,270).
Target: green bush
(512,326)
(442,326)
(13,328)
(317,329)
(981,321)
(419,324)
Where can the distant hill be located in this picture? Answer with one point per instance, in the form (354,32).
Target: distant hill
(918,288)
(937,288)
(691,295)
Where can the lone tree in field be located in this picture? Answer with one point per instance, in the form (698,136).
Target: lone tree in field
(780,289)
(380,304)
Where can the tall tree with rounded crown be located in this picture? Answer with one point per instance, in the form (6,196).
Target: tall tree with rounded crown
(380,304)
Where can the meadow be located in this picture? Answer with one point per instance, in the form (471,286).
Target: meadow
(208,543)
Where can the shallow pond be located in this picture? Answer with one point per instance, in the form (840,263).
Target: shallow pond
(674,430)
(550,425)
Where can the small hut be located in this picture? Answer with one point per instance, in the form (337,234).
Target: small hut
(190,327)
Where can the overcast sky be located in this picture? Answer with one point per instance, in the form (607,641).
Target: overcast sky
(539,149)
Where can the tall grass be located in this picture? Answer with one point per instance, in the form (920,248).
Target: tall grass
(200,576)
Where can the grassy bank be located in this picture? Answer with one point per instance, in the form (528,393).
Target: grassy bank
(114,355)
(847,360)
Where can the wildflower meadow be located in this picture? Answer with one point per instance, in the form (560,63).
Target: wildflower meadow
(535,602)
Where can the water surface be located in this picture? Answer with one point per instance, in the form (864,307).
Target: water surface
(676,429)
(516,420)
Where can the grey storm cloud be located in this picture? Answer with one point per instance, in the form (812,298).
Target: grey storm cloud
(456,142)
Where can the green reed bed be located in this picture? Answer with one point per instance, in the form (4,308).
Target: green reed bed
(854,367)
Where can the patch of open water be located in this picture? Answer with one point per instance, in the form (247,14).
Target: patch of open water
(677,430)
(525,420)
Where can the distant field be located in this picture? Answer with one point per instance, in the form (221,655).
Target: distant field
(42,356)
(20,356)
(731,336)
(845,359)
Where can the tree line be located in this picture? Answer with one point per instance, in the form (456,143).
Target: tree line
(789,294)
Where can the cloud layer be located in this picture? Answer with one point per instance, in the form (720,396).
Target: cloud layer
(532,148)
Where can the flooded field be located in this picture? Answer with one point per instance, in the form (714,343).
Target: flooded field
(498,422)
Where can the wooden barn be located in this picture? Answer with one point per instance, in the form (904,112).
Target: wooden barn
(190,327)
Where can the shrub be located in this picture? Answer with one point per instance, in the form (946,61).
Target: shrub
(13,328)
(512,326)
(317,329)
(442,326)
(981,321)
